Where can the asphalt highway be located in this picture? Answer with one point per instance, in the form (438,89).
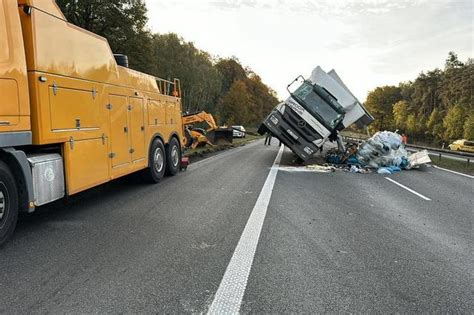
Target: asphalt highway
(242,231)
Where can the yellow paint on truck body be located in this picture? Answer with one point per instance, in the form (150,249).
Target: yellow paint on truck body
(66,82)
(14,108)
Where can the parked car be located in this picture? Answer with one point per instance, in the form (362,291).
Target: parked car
(462,145)
(238,131)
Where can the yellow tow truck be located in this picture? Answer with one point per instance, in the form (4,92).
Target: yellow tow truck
(72,115)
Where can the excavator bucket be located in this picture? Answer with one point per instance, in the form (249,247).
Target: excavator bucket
(220,136)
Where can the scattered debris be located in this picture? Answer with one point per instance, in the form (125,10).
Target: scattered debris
(388,170)
(315,168)
(321,168)
(358,169)
(384,151)
(419,158)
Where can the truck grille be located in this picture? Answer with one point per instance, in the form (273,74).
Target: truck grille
(306,131)
(288,137)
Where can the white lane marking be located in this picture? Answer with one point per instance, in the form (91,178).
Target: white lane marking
(409,189)
(231,290)
(454,172)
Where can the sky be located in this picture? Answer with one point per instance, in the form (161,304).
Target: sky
(369,43)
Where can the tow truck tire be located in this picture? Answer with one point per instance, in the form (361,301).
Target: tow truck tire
(262,129)
(8,203)
(173,157)
(157,162)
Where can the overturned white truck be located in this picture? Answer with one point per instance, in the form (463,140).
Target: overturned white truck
(317,110)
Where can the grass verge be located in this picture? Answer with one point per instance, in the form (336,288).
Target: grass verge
(454,165)
(199,153)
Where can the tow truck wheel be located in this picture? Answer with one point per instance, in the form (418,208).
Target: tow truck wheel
(157,162)
(8,203)
(173,157)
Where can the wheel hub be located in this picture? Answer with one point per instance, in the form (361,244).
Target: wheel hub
(158,160)
(2,205)
(174,156)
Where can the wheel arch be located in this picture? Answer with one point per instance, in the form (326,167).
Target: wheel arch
(17,161)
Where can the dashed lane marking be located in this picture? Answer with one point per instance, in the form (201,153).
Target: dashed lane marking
(231,290)
(409,189)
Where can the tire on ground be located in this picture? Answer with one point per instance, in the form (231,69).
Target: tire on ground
(8,203)
(262,129)
(156,162)
(189,137)
(173,157)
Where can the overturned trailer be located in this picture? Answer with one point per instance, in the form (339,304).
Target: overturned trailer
(317,110)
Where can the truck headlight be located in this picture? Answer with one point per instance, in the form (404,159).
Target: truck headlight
(274,120)
(281,108)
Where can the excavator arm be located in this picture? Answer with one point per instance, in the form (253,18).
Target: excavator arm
(191,119)
(214,135)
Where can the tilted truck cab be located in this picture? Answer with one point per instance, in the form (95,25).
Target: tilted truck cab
(71,118)
(315,111)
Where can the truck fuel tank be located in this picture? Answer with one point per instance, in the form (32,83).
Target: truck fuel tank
(48,177)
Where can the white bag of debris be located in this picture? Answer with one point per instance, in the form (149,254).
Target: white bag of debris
(383,149)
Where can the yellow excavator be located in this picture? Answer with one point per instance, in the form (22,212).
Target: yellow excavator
(198,137)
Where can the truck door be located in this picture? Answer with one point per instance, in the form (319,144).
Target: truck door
(137,128)
(119,130)
(10,103)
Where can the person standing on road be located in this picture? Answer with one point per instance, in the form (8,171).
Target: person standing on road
(404,139)
(268,139)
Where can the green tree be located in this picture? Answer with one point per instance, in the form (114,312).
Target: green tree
(400,114)
(435,124)
(263,98)
(412,126)
(453,123)
(427,102)
(457,85)
(379,103)
(200,80)
(231,71)
(469,127)
(235,105)
(453,61)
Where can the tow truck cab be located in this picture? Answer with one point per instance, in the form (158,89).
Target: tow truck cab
(316,110)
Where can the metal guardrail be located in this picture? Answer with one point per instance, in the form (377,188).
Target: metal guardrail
(463,154)
(440,152)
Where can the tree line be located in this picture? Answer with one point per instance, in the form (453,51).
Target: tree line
(233,93)
(438,106)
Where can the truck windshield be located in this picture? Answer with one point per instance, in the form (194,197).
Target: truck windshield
(317,105)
